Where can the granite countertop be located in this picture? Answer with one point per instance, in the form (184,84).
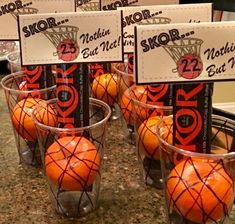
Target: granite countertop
(123,199)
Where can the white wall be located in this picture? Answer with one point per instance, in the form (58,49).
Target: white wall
(225,91)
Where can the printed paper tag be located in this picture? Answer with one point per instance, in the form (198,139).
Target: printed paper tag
(88,5)
(9,10)
(114,4)
(161,14)
(185,52)
(71,37)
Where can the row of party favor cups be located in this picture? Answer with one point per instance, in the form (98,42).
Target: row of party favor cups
(21,102)
(139,118)
(199,188)
(66,185)
(72,158)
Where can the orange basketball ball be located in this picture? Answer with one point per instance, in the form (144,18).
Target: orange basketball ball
(139,95)
(46,114)
(105,88)
(125,80)
(147,140)
(22,117)
(72,163)
(126,104)
(126,107)
(200,191)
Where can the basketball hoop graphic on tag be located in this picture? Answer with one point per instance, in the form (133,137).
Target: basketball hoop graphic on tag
(186,54)
(64,38)
(155,20)
(90,6)
(23,11)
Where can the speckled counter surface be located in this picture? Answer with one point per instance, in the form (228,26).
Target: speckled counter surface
(123,200)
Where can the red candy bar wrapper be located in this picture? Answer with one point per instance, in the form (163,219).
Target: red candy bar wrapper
(130,64)
(97,69)
(192,109)
(72,88)
(39,77)
(49,76)
(160,95)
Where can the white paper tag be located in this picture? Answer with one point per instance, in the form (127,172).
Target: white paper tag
(10,9)
(71,37)
(113,4)
(160,14)
(185,52)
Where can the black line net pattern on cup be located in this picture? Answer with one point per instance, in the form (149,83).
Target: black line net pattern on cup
(126,79)
(148,160)
(194,193)
(223,132)
(147,154)
(86,198)
(108,95)
(31,156)
(222,141)
(126,107)
(86,189)
(28,149)
(143,109)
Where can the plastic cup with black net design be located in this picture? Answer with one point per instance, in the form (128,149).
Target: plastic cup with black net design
(72,159)
(199,187)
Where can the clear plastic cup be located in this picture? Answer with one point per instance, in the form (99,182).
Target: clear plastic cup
(6,47)
(20,103)
(199,188)
(105,86)
(126,80)
(14,61)
(145,116)
(73,160)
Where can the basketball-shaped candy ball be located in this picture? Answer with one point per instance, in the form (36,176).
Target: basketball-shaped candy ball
(200,191)
(137,93)
(147,141)
(72,163)
(22,117)
(105,88)
(125,79)
(126,107)
(46,114)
